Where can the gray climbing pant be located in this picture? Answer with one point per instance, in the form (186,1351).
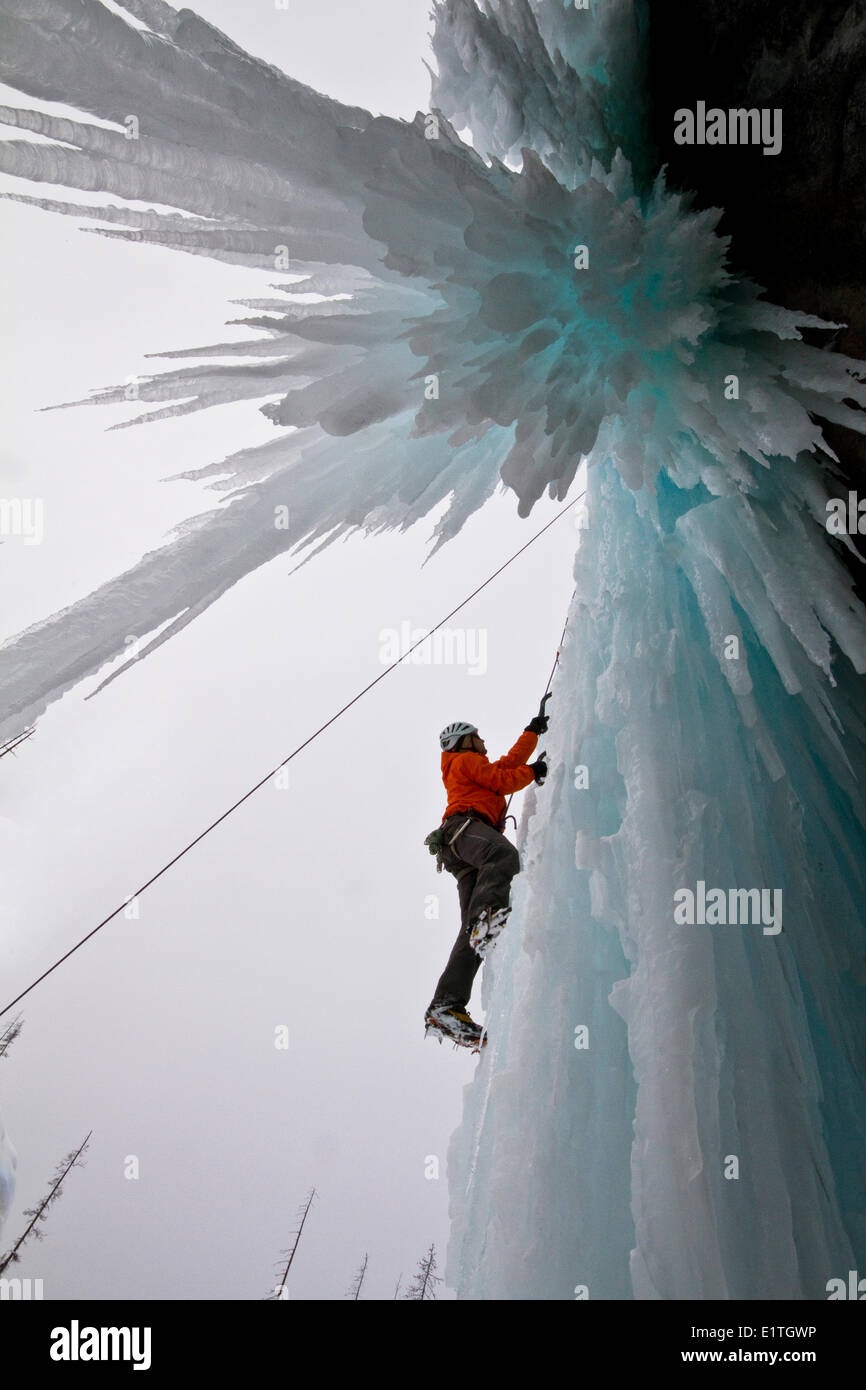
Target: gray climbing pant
(484,863)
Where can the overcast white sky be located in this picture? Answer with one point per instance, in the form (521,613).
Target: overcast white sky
(307,908)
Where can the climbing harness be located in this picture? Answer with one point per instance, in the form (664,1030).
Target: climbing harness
(437,843)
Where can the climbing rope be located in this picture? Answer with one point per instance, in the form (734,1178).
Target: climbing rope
(549,683)
(301,746)
(558,649)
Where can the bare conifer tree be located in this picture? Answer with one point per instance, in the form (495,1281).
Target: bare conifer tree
(424,1284)
(359,1279)
(397,1285)
(9,1034)
(40,1211)
(280,1292)
(12,743)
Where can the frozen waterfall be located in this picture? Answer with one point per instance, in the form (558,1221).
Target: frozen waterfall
(672,1102)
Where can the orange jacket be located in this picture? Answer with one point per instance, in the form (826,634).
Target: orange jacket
(474,784)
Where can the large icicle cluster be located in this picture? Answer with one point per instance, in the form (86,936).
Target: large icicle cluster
(452,266)
(550,78)
(566,305)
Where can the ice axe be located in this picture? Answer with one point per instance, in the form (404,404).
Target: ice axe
(541,718)
(538,724)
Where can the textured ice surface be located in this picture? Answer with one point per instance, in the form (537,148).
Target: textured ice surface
(604,1166)
(601,1166)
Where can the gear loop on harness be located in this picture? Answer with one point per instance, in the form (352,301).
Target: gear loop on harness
(437,843)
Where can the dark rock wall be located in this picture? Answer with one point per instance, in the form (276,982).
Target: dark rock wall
(797,219)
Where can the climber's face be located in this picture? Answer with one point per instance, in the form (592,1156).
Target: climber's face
(477,743)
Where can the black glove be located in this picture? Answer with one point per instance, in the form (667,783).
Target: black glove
(538,725)
(539,769)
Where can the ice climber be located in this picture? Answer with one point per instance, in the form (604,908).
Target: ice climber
(470,844)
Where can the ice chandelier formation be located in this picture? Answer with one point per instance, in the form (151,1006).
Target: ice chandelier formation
(567,305)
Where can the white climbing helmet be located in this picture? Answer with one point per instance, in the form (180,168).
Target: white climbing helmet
(452,734)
